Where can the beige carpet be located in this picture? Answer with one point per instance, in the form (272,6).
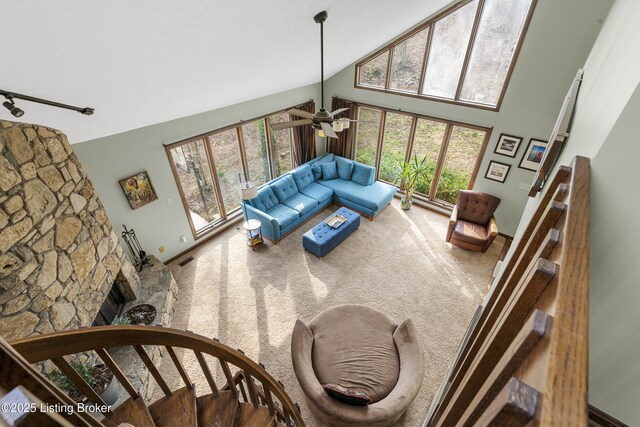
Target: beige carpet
(398,264)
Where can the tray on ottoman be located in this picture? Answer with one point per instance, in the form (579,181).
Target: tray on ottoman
(323,238)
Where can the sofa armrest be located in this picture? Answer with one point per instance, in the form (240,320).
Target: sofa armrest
(270,226)
(492,232)
(301,352)
(452,222)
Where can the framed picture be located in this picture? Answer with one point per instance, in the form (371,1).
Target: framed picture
(497,171)
(508,145)
(533,155)
(138,190)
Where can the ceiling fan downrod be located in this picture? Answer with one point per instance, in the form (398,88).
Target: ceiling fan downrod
(320,18)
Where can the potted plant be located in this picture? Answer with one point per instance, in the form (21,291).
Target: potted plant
(99,377)
(412,172)
(119,320)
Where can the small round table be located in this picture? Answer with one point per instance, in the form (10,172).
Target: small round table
(253,230)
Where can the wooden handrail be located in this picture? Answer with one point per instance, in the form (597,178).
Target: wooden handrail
(58,344)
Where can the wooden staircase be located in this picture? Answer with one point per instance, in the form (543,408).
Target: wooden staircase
(250,397)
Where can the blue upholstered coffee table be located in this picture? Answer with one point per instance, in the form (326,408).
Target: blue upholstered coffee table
(323,238)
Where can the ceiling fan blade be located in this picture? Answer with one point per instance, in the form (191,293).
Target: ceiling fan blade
(339,110)
(328,131)
(300,113)
(285,125)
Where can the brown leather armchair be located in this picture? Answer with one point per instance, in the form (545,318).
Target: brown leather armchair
(472,225)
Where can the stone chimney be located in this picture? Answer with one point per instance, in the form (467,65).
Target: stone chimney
(59,254)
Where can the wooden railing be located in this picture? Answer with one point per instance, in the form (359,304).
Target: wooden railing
(525,362)
(256,385)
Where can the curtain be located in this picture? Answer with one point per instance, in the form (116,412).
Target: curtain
(344,146)
(304,138)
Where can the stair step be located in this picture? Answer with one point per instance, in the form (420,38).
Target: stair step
(217,411)
(131,411)
(250,416)
(179,409)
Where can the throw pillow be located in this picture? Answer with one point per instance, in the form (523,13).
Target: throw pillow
(327,158)
(329,171)
(346,395)
(363,174)
(317,172)
(345,168)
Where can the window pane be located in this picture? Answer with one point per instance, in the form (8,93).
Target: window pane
(448,49)
(406,66)
(498,34)
(394,146)
(255,144)
(226,156)
(281,145)
(460,160)
(374,72)
(367,137)
(195,180)
(427,142)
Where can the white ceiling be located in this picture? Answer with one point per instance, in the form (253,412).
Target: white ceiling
(148,61)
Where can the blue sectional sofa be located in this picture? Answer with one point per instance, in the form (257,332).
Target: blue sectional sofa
(289,200)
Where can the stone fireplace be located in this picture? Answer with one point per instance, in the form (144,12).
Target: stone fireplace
(59,254)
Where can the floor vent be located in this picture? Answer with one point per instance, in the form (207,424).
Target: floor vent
(185,261)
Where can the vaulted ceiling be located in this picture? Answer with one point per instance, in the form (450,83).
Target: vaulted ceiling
(148,61)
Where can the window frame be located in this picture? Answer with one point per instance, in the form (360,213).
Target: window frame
(234,214)
(472,37)
(450,124)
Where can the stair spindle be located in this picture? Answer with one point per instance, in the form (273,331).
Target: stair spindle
(113,367)
(207,373)
(251,386)
(269,399)
(179,367)
(227,374)
(153,370)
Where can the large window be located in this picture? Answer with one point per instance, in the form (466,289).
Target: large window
(387,139)
(207,167)
(464,55)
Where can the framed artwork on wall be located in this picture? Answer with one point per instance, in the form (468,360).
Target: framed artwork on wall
(497,171)
(533,154)
(138,190)
(508,145)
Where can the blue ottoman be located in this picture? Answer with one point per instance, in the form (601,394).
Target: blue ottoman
(322,238)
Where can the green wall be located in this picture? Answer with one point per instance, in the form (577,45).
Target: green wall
(159,223)
(555,47)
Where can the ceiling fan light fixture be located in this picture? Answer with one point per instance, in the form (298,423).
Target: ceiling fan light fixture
(321,133)
(337,125)
(345,122)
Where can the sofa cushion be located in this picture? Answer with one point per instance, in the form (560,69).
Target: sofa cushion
(363,174)
(301,203)
(345,167)
(373,196)
(283,214)
(284,188)
(265,200)
(470,232)
(317,171)
(317,191)
(302,176)
(353,346)
(329,171)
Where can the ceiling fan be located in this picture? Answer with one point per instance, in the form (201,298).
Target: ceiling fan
(323,121)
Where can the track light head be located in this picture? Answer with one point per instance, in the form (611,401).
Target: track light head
(15,111)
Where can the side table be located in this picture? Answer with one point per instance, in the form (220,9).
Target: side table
(253,231)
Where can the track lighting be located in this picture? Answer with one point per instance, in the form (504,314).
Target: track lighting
(17,112)
(11,106)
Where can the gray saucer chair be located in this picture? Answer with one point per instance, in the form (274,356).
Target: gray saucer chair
(362,349)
